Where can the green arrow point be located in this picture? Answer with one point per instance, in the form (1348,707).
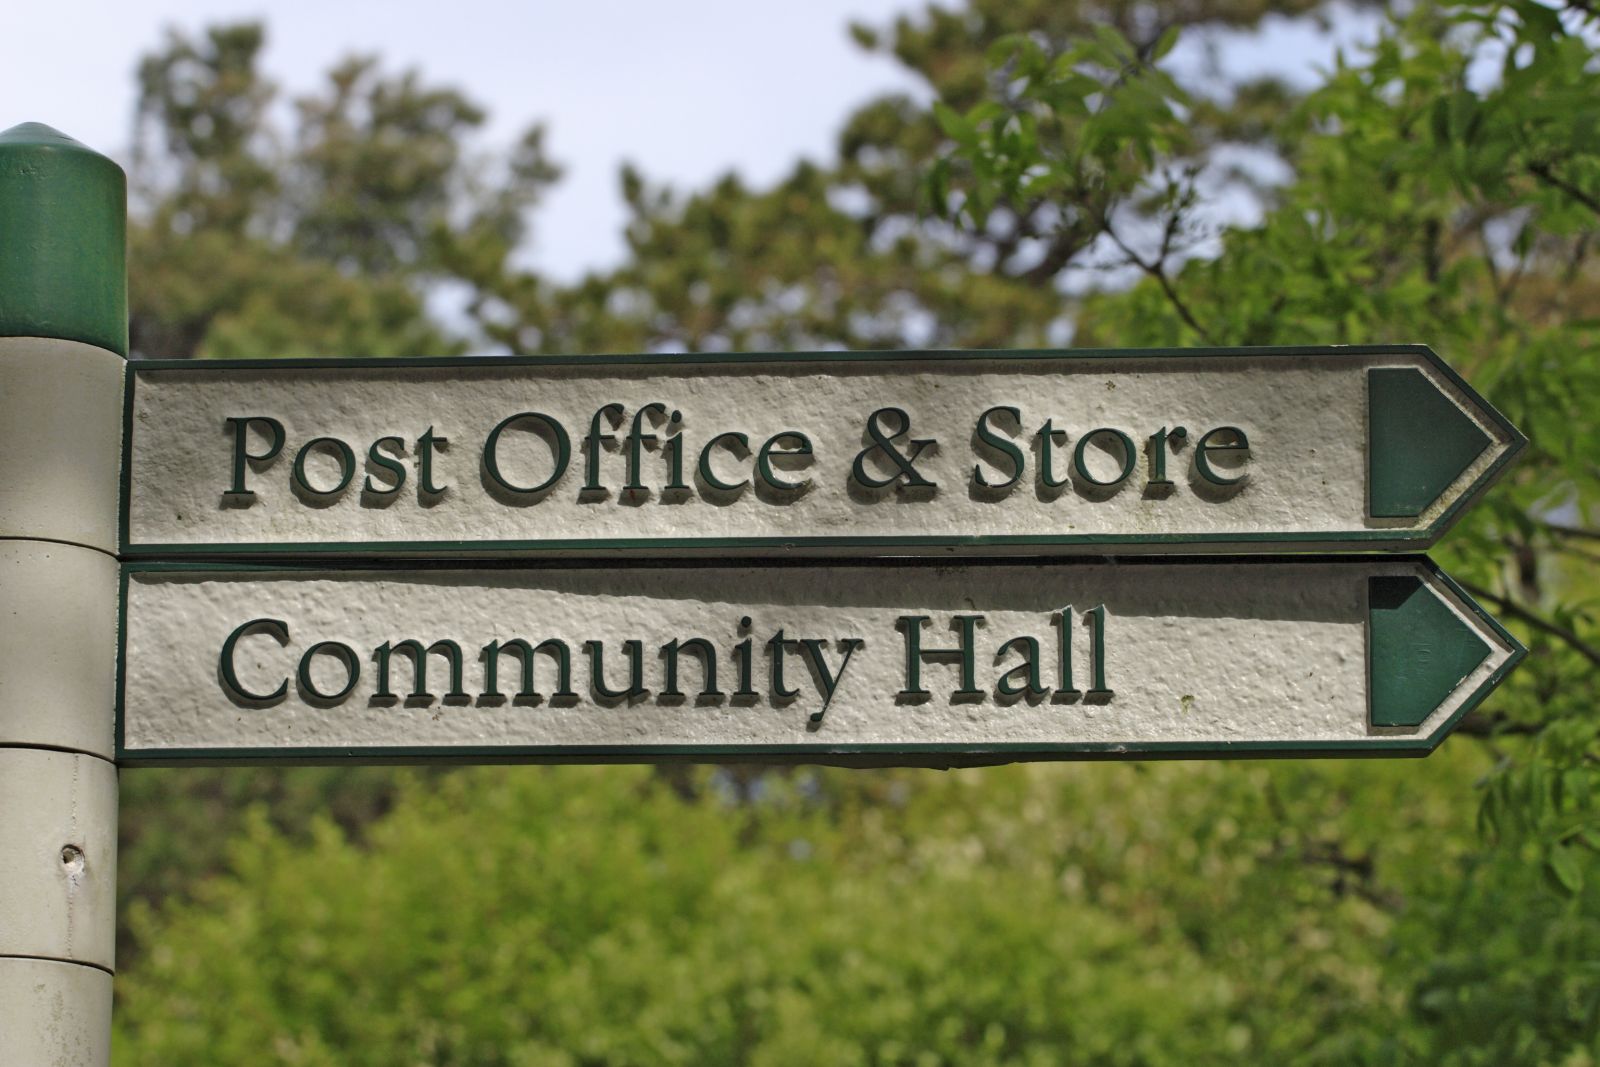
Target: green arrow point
(1418,651)
(1418,442)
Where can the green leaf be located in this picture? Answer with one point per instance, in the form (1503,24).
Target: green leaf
(1165,43)
(954,124)
(1563,866)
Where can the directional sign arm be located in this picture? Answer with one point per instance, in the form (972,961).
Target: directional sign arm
(878,662)
(1076,452)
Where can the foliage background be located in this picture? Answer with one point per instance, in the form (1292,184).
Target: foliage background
(1065,185)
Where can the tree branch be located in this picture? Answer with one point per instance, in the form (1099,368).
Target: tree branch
(1489,726)
(1543,172)
(1578,532)
(1352,875)
(1580,553)
(1063,247)
(1155,269)
(1537,621)
(1488,261)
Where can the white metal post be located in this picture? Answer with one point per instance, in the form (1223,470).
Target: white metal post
(63,338)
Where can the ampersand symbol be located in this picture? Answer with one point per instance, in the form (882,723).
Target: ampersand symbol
(884,436)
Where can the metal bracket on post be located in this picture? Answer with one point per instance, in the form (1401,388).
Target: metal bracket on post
(63,341)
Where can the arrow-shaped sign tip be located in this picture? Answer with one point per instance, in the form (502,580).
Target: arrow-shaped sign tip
(1419,441)
(1419,651)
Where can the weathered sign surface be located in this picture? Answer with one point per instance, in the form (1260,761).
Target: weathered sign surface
(830,453)
(873,662)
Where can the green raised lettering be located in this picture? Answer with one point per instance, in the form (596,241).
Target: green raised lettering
(1204,449)
(1004,445)
(278,630)
(546,427)
(243,458)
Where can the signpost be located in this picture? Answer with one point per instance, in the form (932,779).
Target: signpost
(63,335)
(645,558)
(826,453)
(880,663)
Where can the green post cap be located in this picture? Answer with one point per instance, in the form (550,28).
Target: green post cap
(63,240)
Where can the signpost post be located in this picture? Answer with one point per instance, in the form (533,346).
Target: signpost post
(646,558)
(63,335)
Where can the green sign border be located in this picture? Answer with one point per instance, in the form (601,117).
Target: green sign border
(880,545)
(860,755)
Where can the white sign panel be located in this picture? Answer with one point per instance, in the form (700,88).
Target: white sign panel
(873,663)
(830,453)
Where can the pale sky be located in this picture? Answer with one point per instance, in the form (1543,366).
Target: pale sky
(686,89)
